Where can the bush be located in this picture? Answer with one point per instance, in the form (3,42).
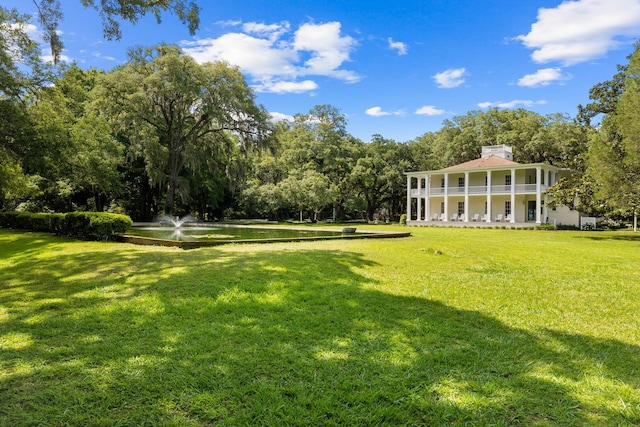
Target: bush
(588,227)
(568,227)
(403,219)
(546,227)
(84,225)
(610,224)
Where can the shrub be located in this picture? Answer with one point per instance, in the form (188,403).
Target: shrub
(567,227)
(610,224)
(546,227)
(84,225)
(403,219)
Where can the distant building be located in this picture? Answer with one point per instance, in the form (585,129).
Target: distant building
(491,189)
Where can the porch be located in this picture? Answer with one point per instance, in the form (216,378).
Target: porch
(472,224)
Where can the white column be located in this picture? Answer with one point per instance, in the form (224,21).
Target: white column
(419,204)
(446,197)
(466,197)
(408,198)
(538,194)
(513,195)
(427,203)
(488,196)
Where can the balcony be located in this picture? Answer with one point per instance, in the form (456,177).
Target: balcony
(478,190)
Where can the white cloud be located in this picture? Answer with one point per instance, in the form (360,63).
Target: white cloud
(271,31)
(32,31)
(105,57)
(400,47)
(274,61)
(511,104)
(429,110)
(329,50)
(378,112)
(258,57)
(450,78)
(46,56)
(543,77)
(280,117)
(229,23)
(581,30)
(286,87)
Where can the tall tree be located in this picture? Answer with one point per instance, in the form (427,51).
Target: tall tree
(178,113)
(378,175)
(605,96)
(72,150)
(461,138)
(20,66)
(319,141)
(615,150)
(20,72)
(111,11)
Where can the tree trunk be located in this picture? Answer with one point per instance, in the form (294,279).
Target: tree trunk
(371,208)
(171,193)
(99,202)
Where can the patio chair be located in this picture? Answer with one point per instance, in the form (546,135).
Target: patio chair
(441,217)
(484,218)
(476,217)
(507,218)
(461,217)
(454,217)
(434,217)
(499,218)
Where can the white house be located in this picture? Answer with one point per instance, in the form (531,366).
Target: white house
(491,189)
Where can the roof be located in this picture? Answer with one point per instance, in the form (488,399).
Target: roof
(485,162)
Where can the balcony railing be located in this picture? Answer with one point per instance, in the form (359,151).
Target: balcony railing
(478,190)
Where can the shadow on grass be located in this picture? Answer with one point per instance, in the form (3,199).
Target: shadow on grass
(131,336)
(611,235)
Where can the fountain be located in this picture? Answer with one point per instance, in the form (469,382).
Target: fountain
(176,221)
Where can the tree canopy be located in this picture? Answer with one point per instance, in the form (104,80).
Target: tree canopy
(179,114)
(111,12)
(615,149)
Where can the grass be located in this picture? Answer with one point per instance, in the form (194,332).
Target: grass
(448,327)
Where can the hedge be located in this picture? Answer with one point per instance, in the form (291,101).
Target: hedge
(83,225)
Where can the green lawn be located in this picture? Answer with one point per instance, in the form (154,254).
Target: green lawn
(447,327)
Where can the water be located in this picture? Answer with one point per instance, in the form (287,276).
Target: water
(190,233)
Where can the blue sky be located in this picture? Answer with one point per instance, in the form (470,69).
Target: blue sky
(397,69)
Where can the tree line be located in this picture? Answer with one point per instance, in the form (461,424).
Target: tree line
(163,134)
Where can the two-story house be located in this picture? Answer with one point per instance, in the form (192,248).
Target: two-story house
(491,189)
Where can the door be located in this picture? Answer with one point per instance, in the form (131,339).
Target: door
(531,210)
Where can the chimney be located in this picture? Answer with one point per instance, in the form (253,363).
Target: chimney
(503,151)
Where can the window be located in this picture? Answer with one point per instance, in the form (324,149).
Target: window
(442,183)
(441,207)
(485,208)
(461,208)
(507,180)
(460,182)
(507,208)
